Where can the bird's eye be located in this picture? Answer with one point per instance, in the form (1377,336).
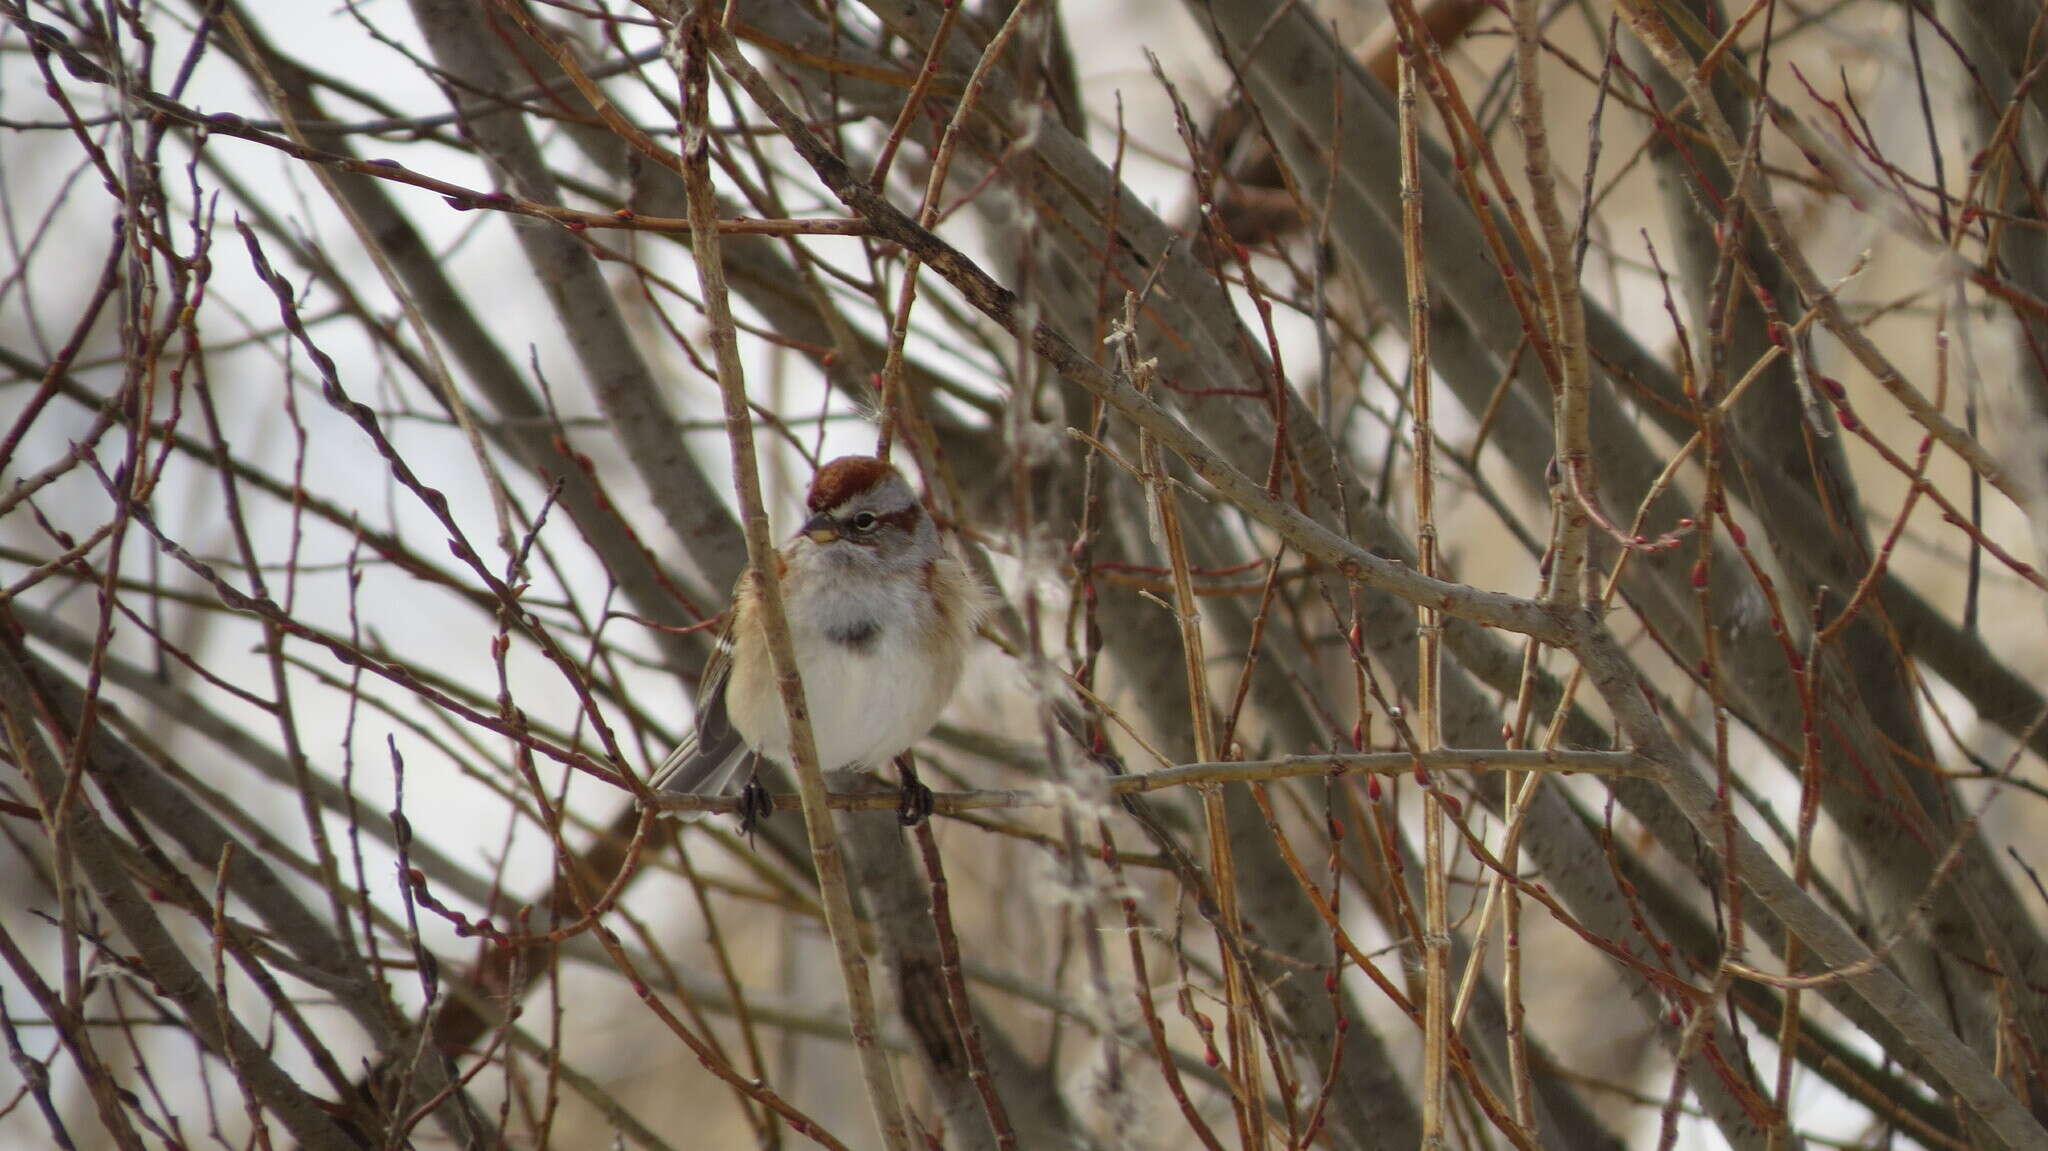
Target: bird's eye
(864,521)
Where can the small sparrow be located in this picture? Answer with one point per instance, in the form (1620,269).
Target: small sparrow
(881,614)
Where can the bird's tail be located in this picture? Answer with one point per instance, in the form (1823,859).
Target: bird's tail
(695,768)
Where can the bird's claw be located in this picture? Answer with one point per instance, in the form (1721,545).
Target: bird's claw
(756,805)
(917,802)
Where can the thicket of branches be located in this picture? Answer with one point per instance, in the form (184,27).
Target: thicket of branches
(1516,526)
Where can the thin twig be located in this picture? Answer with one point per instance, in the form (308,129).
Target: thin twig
(691,58)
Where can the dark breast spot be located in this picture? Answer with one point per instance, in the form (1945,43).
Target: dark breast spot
(859,635)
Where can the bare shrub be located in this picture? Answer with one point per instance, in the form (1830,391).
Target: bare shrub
(1516,523)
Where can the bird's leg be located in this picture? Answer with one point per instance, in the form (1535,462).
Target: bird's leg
(756,805)
(916,805)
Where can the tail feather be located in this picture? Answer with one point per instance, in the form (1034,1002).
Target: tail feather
(695,769)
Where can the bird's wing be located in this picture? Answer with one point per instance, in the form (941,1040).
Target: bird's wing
(712,754)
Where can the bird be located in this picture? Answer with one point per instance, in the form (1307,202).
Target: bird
(882,614)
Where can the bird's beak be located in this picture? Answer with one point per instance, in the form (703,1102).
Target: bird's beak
(822,528)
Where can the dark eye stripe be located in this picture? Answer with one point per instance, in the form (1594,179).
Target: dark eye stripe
(905,519)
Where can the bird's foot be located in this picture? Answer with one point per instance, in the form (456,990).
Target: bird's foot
(756,805)
(917,801)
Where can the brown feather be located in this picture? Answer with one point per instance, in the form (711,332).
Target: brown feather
(845,478)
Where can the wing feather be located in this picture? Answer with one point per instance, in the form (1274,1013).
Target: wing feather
(710,757)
